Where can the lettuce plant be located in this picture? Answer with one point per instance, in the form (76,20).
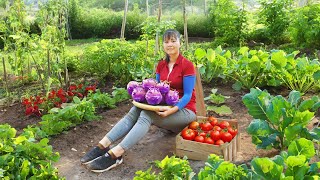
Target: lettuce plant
(279,121)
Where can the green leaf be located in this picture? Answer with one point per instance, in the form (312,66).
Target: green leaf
(227,54)
(314,168)
(259,127)
(315,133)
(20,139)
(243,51)
(315,107)
(237,86)
(222,110)
(76,100)
(268,141)
(292,132)
(6,132)
(256,102)
(294,97)
(279,59)
(216,99)
(224,168)
(266,168)
(15,36)
(303,118)
(199,53)
(316,75)
(306,105)
(278,160)
(211,55)
(274,110)
(299,160)
(25,169)
(297,166)
(301,146)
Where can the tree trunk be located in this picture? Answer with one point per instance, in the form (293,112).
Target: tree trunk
(156,49)
(191,6)
(147,7)
(48,61)
(205,7)
(185,25)
(66,73)
(68,22)
(123,27)
(5,75)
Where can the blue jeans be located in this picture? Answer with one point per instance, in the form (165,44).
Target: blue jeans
(135,125)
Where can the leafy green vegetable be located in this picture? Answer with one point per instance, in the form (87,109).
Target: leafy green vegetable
(279,121)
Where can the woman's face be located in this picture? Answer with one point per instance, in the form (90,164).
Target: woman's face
(171,46)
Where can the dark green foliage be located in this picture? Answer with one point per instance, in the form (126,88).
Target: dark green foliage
(228,22)
(306,26)
(275,16)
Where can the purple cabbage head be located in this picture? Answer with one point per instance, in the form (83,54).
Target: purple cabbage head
(138,94)
(131,85)
(172,97)
(149,83)
(153,96)
(163,87)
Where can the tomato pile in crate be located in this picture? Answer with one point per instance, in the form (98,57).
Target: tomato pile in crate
(208,135)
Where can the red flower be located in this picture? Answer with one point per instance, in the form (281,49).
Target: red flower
(29,110)
(72,87)
(63,99)
(52,94)
(70,93)
(26,102)
(79,95)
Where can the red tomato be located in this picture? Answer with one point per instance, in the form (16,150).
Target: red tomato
(219,142)
(217,128)
(208,140)
(206,126)
(202,134)
(235,132)
(188,134)
(215,135)
(224,124)
(225,136)
(213,121)
(199,138)
(232,131)
(194,125)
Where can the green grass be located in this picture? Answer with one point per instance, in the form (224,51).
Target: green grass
(77,46)
(77,42)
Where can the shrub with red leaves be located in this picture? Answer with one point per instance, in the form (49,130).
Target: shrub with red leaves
(55,99)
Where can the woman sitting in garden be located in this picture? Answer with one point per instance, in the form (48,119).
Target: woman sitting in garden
(177,70)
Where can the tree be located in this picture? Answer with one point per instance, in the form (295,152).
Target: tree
(123,27)
(185,33)
(156,49)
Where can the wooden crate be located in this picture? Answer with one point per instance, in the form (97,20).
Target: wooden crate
(200,151)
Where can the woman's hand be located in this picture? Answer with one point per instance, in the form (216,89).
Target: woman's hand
(166,111)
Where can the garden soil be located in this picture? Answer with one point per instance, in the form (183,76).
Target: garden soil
(156,145)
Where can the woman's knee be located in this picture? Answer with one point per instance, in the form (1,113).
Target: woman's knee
(146,116)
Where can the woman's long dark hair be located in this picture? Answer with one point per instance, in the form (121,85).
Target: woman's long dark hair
(168,34)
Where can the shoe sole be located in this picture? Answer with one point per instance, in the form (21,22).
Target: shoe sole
(85,163)
(113,166)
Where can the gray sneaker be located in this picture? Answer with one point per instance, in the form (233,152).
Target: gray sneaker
(93,154)
(104,163)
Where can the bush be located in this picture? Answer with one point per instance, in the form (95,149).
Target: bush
(229,23)
(306,27)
